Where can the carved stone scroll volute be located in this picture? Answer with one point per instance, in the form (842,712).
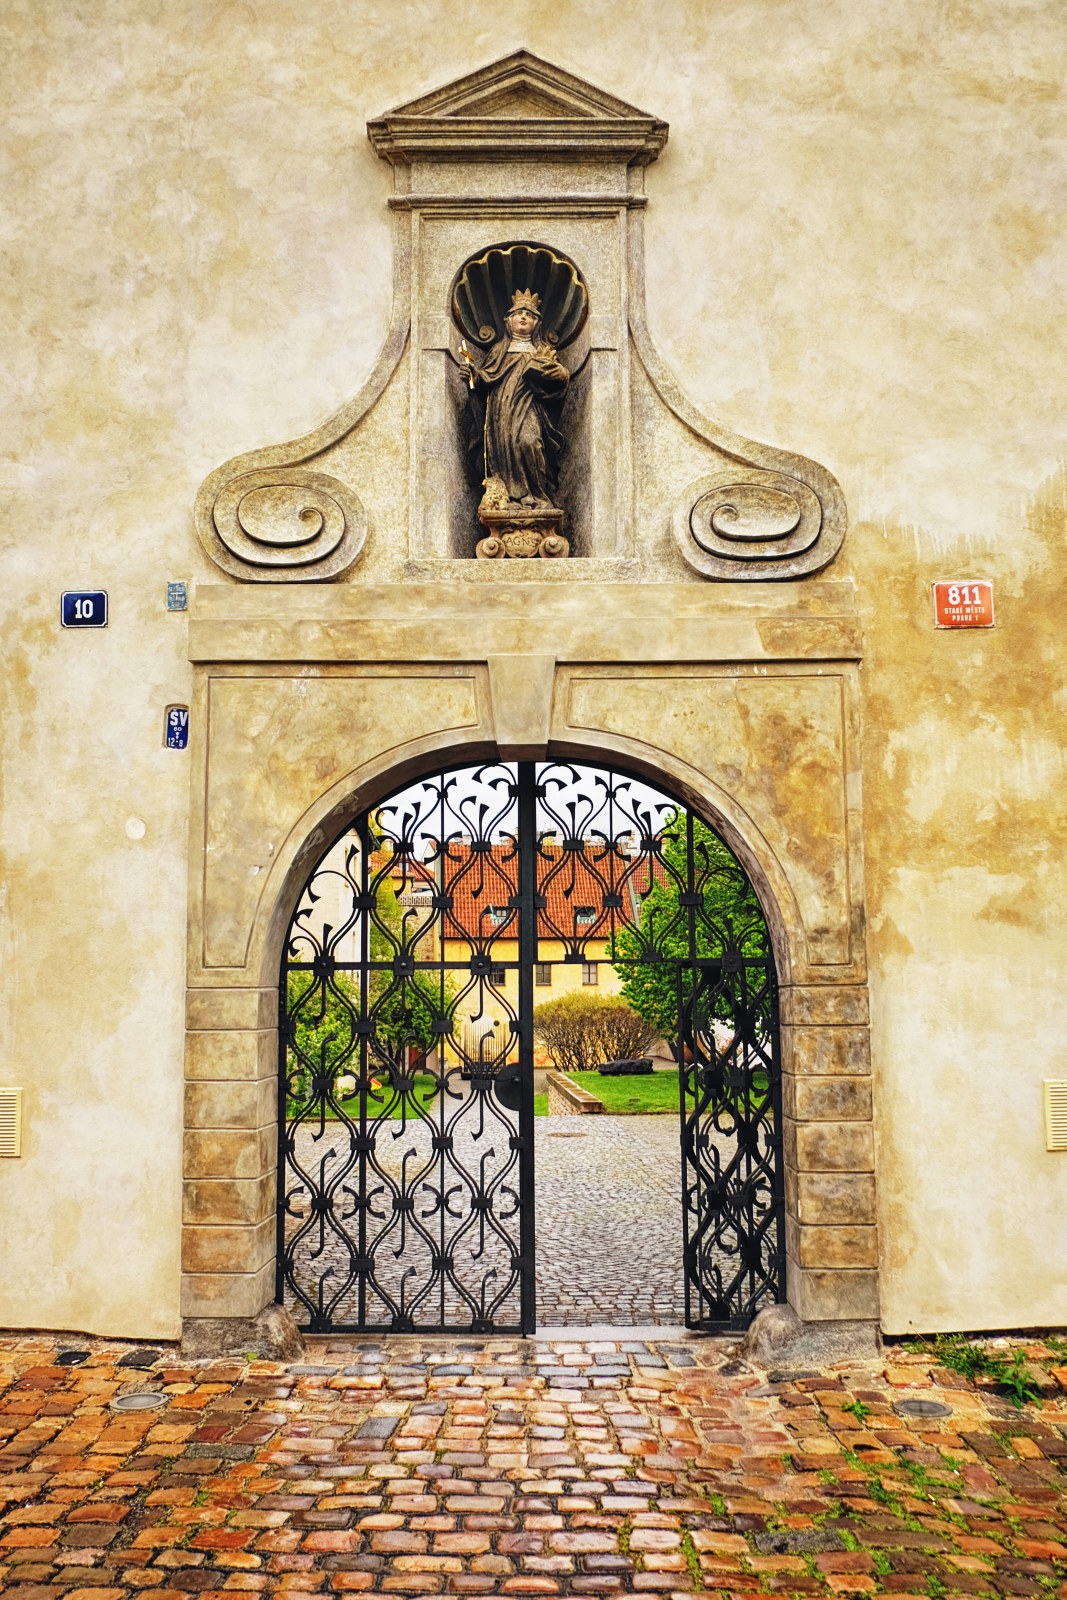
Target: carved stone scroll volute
(749,524)
(280,523)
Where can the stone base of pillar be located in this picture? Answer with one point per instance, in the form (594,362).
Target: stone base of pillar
(778,1337)
(273,1336)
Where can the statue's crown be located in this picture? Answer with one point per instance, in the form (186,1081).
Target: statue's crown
(523,300)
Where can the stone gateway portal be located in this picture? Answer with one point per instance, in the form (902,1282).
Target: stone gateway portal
(684,647)
(406,1188)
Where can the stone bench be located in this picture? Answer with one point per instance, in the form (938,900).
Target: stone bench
(568,1099)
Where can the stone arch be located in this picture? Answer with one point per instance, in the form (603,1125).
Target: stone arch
(231,1111)
(325,820)
(338,1270)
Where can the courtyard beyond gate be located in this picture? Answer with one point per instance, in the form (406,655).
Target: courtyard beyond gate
(407,1152)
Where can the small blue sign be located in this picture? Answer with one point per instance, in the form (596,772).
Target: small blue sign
(177,596)
(176,728)
(84,608)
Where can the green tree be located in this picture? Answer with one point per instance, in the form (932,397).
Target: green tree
(405,1010)
(727,915)
(324,1012)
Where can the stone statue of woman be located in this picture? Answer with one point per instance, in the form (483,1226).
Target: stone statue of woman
(517,395)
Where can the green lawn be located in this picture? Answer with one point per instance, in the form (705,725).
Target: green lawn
(425,1094)
(649,1094)
(655,1094)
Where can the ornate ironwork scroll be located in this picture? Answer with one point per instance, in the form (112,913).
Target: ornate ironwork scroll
(405,1195)
(406,1188)
(732,1193)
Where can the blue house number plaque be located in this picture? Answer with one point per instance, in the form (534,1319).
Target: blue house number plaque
(176,730)
(84,608)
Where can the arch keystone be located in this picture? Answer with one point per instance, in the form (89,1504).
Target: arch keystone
(520,693)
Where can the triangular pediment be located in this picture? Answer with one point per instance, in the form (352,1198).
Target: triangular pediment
(518,104)
(520,100)
(514,81)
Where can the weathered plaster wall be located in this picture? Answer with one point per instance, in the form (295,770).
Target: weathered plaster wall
(855,250)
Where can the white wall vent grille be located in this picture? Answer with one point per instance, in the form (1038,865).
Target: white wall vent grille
(1056,1113)
(10,1122)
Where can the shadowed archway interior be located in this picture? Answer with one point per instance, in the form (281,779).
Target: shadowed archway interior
(407,1043)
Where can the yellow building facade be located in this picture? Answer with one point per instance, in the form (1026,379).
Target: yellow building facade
(851,245)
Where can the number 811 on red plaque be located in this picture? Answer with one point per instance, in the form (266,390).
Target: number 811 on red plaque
(959,604)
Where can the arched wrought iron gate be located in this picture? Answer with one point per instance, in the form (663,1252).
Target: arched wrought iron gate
(406,1179)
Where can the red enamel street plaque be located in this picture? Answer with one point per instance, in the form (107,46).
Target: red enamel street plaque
(963,605)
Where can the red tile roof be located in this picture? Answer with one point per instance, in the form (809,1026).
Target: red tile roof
(575,885)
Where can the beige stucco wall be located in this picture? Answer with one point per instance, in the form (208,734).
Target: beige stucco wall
(855,250)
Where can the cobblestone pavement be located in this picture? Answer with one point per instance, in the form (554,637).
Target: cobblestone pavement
(502,1466)
(609,1221)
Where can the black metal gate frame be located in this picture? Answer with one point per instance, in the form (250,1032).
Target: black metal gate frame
(734,1214)
(732,1210)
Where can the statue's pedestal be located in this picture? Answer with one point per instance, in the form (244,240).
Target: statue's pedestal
(520,535)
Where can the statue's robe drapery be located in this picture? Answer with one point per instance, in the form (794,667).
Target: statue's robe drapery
(515,432)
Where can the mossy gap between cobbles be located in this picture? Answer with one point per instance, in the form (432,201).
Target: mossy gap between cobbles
(692,1560)
(626,1527)
(886,1497)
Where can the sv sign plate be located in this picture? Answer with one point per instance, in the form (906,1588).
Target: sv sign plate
(176,728)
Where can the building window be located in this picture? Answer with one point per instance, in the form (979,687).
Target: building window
(498,915)
(584,916)
(589,973)
(497,977)
(543,974)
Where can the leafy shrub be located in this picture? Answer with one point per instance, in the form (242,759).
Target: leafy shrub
(580,1030)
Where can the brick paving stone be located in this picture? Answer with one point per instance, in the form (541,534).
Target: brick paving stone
(571,1467)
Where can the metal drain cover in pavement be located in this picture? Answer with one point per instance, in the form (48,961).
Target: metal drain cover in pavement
(921,1408)
(138,1402)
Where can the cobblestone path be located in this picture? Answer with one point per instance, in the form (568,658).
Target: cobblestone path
(609,1221)
(575,1468)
